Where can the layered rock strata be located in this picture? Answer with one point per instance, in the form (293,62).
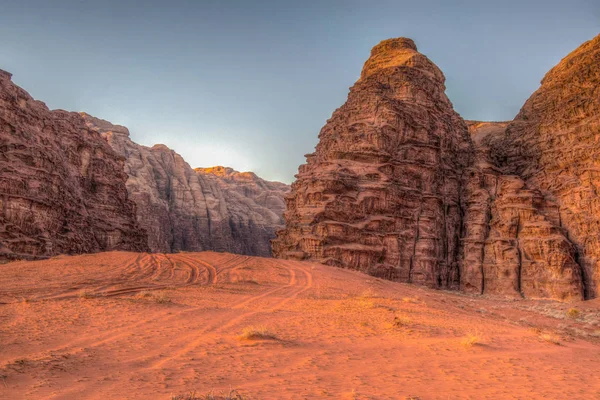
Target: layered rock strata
(381,192)
(513,243)
(62,187)
(183,209)
(554,145)
(397,187)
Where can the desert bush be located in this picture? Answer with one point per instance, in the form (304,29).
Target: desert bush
(231,395)
(85,294)
(257,333)
(471,339)
(550,338)
(400,321)
(159,297)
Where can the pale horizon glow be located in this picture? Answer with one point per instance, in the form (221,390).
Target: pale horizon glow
(249,84)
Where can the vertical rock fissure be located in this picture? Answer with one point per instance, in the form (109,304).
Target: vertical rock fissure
(519,257)
(416,239)
(486,235)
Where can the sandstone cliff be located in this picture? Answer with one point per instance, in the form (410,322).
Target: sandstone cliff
(513,243)
(381,192)
(397,187)
(554,145)
(62,188)
(183,209)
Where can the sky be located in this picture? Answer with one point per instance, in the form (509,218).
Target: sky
(249,84)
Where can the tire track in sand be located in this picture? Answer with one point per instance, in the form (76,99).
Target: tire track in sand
(291,290)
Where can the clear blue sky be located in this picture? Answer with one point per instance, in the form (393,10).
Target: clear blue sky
(249,84)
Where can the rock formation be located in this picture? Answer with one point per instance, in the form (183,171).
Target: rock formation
(183,209)
(62,188)
(512,240)
(554,145)
(381,192)
(397,188)
(254,207)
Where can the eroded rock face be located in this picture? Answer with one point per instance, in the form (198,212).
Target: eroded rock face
(398,188)
(381,192)
(62,188)
(512,240)
(554,144)
(183,209)
(254,207)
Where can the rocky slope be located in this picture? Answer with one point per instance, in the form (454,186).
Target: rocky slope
(62,188)
(554,144)
(398,188)
(183,209)
(381,191)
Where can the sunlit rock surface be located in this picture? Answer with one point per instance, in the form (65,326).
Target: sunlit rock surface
(399,187)
(183,209)
(381,192)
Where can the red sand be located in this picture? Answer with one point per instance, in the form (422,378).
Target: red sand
(150,326)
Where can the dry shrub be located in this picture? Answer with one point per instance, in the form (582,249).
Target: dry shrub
(400,321)
(257,333)
(159,297)
(85,294)
(471,339)
(573,313)
(231,395)
(550,338)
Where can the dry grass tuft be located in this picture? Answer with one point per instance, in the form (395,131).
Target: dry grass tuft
(400,321)
(471,339)
(550,338)
(159,297)
(85,294)
(231,395)
(257,333)
(573,313)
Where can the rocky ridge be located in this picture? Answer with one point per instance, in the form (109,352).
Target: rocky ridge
(183,209)
(62,188)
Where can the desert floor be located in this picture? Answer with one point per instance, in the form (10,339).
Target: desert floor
(152,326)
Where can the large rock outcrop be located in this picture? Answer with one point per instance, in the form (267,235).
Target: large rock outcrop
(183,209)
(381,192)
(554,145)
(397,186)
(513,243)
(253,207)
(62,187)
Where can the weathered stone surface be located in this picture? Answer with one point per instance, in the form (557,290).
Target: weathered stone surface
(183,209)
(554,144)
(254,207)
(512,240)
(381,192)
(62,188)
(399,189)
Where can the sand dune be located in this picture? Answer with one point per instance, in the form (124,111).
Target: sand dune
(151,326)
